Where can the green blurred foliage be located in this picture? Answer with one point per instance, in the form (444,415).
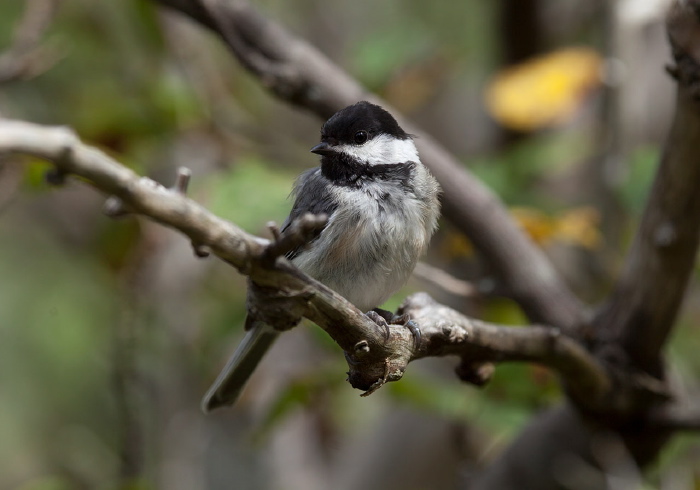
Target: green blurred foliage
(513,173)
(229,195)
(641,168)
(54,359)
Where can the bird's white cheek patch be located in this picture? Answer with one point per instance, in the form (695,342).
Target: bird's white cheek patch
(382,150)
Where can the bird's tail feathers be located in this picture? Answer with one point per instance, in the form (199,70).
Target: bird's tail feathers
(240,367)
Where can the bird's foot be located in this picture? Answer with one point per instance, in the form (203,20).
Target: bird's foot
(379,317)
(412,326)
(384,318)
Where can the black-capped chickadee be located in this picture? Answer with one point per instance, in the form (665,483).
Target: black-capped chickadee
(382,207)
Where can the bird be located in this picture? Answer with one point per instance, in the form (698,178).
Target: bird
(382,207)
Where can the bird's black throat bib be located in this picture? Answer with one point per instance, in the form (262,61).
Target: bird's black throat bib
(345,171)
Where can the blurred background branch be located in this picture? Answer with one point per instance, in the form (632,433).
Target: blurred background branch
(26,56)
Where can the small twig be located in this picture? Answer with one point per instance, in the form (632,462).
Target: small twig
(475,373)
(299,233)
(114,207)
(674,417)
(274,230)
(445,281)
(182,181)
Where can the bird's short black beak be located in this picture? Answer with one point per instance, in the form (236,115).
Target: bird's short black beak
(323,148)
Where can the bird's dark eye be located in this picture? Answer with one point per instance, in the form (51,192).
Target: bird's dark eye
(360,137)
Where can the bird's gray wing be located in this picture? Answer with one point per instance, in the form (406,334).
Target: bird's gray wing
(312,194)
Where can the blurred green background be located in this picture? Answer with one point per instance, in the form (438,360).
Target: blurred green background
(111,331)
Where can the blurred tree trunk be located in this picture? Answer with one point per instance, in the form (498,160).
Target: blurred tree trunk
(521,39)
(521,32)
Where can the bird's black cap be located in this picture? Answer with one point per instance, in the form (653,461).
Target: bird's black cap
(362,116)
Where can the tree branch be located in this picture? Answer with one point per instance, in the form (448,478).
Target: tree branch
(298,73)
(675,418)
(281,294)
(446,331)
(643,307)
(441,279)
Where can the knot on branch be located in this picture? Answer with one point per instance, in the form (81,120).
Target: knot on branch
(475,372)
(683,25)
(370,376)
(278,307)
(55,176)
(453,334)
(200,250)
(633,391)
(687,72)
(115,207)
(379,359)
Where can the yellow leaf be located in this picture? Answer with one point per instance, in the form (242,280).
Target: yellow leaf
(456,245)
(544,91)
(535,223)
(577,226)
(580,227)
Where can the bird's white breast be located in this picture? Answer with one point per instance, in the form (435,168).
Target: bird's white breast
(372,242)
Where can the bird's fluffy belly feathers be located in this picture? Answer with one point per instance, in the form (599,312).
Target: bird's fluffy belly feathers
(389,228)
